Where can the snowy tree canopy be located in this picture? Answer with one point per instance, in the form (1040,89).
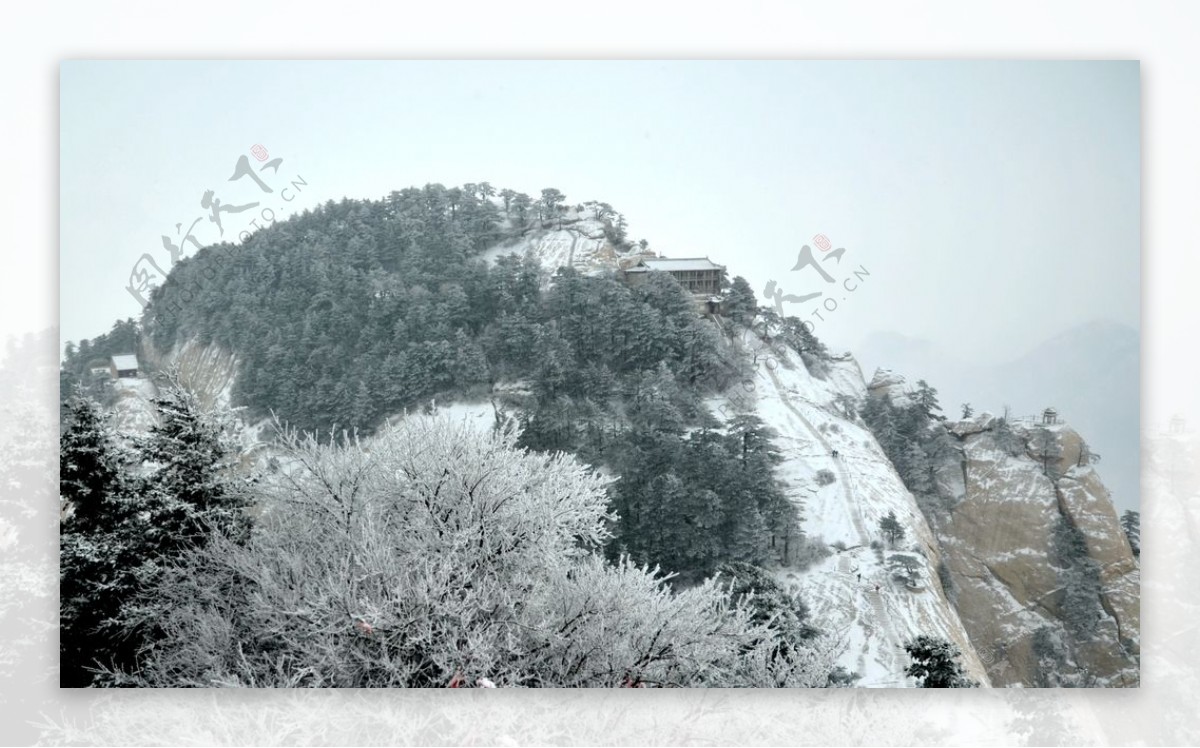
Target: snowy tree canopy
(440,551)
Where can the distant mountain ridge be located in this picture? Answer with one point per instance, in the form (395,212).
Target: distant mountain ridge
(1089,373)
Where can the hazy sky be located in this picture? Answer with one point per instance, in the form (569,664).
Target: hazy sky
(993,203)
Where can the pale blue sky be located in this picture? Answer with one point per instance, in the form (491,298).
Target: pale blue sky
(994,203)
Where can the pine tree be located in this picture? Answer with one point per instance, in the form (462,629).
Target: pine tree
(1131,523)
(935,664)
(878,414)
(551,204)
(1007,439)
(121,531)
(926,399)
(134,528)
(703,515)
(770,603)
(750,536)
(757,458)
(363,407)
(507,196)
(89,470)
(94,553)
(1079,576)
(796,333)
(521,203)
(741,305)
(918,471)
(891,528)
(192,491)
(1047,449)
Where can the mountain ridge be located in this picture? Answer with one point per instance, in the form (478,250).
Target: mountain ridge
(518,341)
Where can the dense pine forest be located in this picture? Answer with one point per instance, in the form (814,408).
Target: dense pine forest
(361,310)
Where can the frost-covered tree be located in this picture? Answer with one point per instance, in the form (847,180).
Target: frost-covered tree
(1079,577)
(926,399)
(891,528)
(799,336)
(906,565)
(506,196)
(521,204)
(1051,654)
(89,465)
(917,470)
(1046,448)
(1006,438)
(439,550)
(935,664)
(1131,523)
(551,204)
(193,488)
(95,544)
(740,303)
(177,490)
(880,416)
(770,602)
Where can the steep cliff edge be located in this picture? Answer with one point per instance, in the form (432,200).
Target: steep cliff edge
(874,596)
(1022,497)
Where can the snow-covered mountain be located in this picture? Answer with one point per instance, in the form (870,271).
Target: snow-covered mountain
(853,592)
(983,577)
(1090,373)
(987,574)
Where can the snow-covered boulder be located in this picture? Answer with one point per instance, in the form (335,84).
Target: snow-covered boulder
(975,425)
(892,384)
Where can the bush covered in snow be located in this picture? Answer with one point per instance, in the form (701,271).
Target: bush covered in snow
(810,550)
(442,552)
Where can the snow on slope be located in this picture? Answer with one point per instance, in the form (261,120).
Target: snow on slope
(873,625)
(207,370)
(133,409)
(577,241)
(842,589)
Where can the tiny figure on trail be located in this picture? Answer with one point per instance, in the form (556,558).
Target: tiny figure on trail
(835,454)
(860,576)
(877,587)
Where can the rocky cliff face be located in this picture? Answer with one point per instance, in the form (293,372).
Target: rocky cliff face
(207,370)
(874,596)
(1038,614)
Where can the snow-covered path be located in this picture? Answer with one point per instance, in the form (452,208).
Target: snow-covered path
(856,573)
(785,399)
(889,648)
(852,592)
